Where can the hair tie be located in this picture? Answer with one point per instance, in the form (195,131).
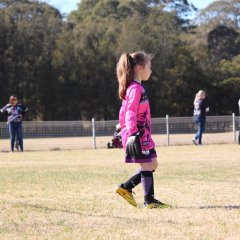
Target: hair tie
(131,60)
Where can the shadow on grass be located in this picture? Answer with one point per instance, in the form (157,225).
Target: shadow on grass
(69,211)
(227,207)
(46,208)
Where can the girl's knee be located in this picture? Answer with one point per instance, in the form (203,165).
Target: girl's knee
(146,166)
(155,164)
(151,166)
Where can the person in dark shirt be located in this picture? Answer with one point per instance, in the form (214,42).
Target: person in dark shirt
(15,113)
(199,115)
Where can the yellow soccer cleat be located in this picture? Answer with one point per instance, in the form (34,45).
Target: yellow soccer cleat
(126,195)
(156,204)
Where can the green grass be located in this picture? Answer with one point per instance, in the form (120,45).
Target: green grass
(70,195)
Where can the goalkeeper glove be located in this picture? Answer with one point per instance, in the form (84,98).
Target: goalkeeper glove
(133,146)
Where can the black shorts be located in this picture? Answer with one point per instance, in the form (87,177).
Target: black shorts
(149,158)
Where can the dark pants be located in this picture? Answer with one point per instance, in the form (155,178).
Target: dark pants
(200,121)
(15,128)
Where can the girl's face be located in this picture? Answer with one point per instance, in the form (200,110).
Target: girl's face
(144,72)
(15,101)
(202,96)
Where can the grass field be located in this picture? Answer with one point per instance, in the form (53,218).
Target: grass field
(70,195)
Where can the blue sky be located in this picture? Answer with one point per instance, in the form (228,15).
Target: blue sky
(201,3)
(65,6)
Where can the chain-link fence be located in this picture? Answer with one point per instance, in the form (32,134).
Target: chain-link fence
(56,135)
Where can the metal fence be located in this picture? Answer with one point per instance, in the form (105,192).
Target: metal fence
(56,135)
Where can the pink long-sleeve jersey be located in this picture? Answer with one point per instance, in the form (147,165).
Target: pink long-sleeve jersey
(135,116)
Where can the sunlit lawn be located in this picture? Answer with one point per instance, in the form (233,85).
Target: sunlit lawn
(70,195)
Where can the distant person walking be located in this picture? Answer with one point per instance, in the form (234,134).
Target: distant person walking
(15,113)
(199,115)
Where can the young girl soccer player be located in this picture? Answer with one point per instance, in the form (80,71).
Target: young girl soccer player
(135,121)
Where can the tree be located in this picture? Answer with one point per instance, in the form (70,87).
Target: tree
(230,84)
(64,69)
(103,39)
(223,43)
(30,29)
(223,12)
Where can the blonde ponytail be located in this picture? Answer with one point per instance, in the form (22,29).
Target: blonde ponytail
(124,74)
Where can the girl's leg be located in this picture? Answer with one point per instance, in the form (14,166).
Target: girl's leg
(147,182)
(125,189)
(201,129)
(155,164)
(19,135)
(136,179)
(148,185)
(12,135)
(133,181)
(196,121)
(197,136)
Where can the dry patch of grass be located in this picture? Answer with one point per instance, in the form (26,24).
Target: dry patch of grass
(70,195)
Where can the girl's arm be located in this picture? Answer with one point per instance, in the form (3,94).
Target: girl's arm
(4,110)
(24,109)
(131,110)
(204,107)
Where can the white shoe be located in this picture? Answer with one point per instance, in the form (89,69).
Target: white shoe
(194,142)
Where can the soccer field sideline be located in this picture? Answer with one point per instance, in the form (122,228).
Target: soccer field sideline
(75,143)
(70,195)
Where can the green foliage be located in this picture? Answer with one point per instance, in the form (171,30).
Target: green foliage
(223,43)
(30,30)
(64,69)
(230,85)
(231,68)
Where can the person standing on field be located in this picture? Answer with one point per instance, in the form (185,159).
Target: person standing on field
(15,113)
(199,115)
(135,121)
